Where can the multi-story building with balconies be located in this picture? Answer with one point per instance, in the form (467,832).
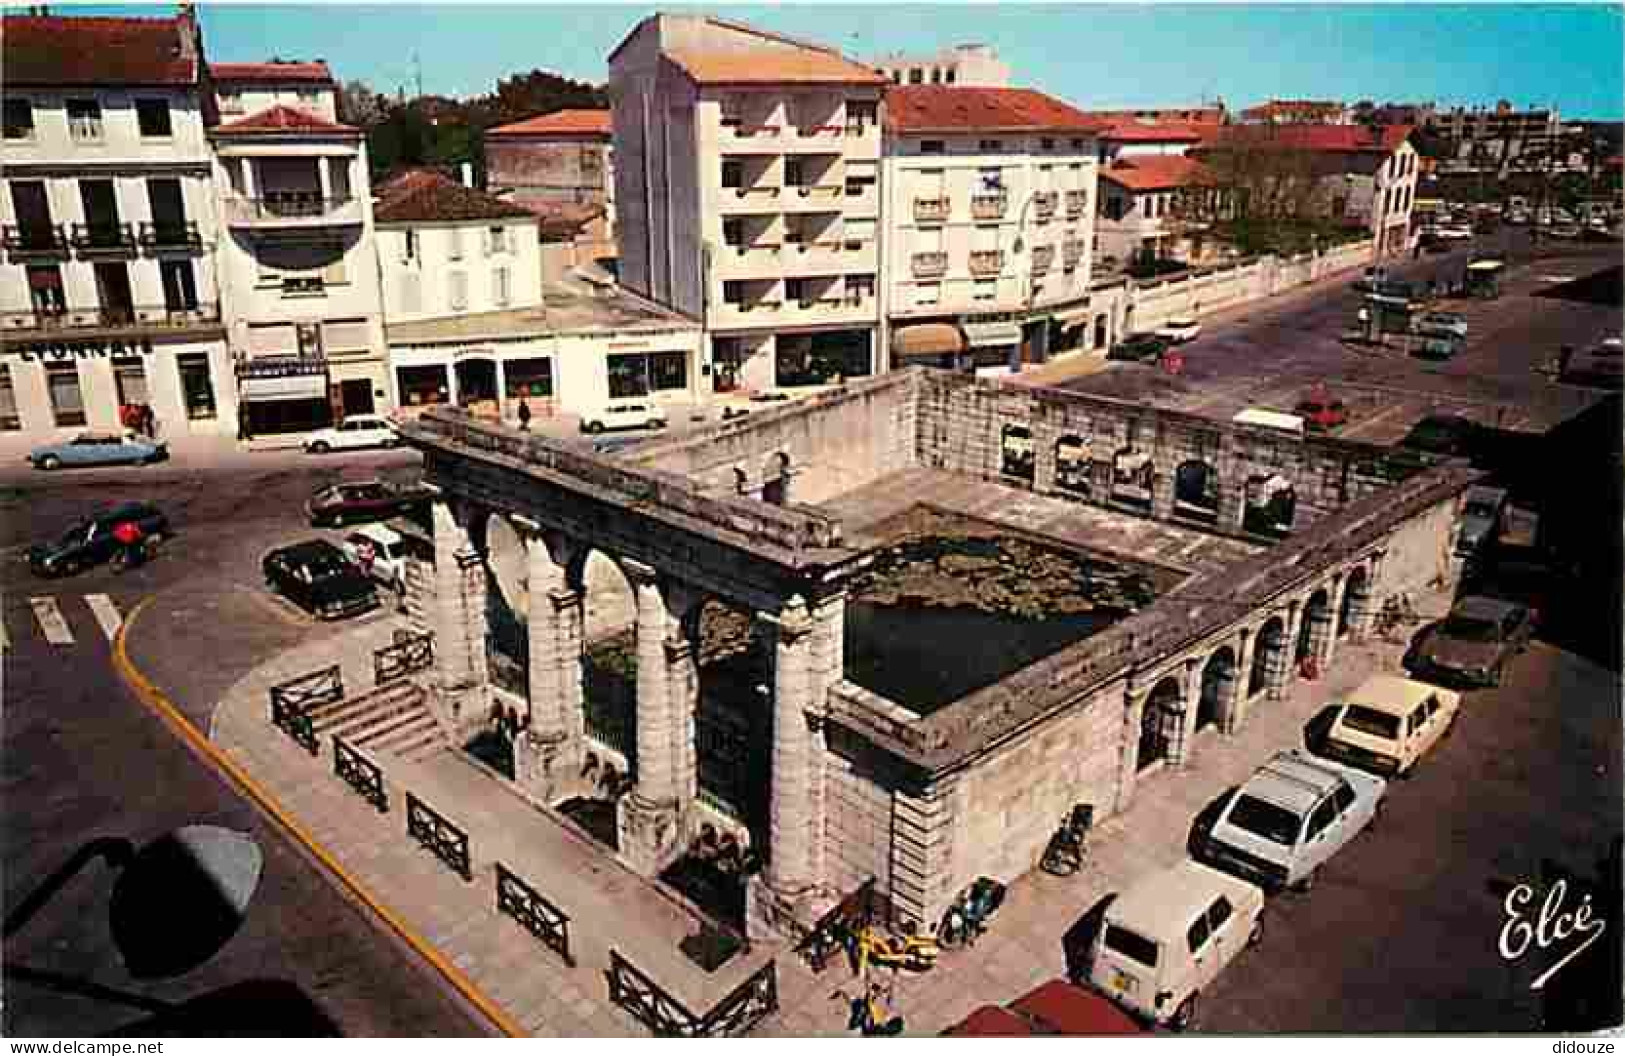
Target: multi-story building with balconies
(989,219)
(303,304)
(967,65)
(109,295)
(243,88)
(747,188)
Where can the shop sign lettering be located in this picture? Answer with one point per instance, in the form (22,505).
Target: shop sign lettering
(33,351)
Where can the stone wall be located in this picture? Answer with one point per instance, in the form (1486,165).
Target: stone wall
(1421,551)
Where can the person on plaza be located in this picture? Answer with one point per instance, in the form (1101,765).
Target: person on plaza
(149,421)
(524,415)
(132,542)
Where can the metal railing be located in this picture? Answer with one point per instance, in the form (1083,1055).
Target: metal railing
(171,234)
(113,237)
(931,209)
(1072,251)
(1075,203)
(1044,205)
(1043,257)
(23,240)
(409,653)
(929,264)
(535,914)
(986,262)
(667,1017)
(292,700)
(140,316)
(438,836)
(989,206)
(360,773)
(292,205)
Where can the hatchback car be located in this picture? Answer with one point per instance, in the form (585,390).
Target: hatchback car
(1055,1009)
(1473,644)
(1389,723)
(380,552)
(1180,330)
(1138,348)
(362,500)
(1321,413)
(316,576)
(628,414)
(1482,515)
(100,449)
(1167,938)
(1450,435)
(90,542)
(1291,816)
(1450,323)
(357,431)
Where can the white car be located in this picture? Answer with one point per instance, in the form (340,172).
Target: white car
(1291,816)
(379,552)
(1179,330)
(362,430)
(1389,723)
(624,414)
(1165,939)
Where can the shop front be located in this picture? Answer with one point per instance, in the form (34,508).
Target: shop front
(995,348)
(283,394)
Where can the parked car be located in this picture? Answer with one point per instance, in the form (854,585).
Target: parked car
(1389,723)
(100,449)
(1473,644)
(380,552)
(1055,1009)
(1180,330)
(1449,435)
(1568,230)
(1482,515)
(1139,348)
(1451,323)
(1168,937)
(1602,365)
(1291,816)
(1437,346)
(316,576)
(357,431)
(1321,412)
(625,414)
(90,542)
(362,500)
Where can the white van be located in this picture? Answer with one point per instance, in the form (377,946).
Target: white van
(1256,416)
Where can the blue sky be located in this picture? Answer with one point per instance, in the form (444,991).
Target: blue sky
(1094,56)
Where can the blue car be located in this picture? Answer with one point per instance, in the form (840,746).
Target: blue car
(100,449)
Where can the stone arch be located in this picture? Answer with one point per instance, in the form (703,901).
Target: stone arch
(1269,656)
(1072,465)
(776,479)
(1132,476)
(609,656)
(1016,452)
(1161,722)
(1315,627)
(1218,689)
(733,721)
(1270,505)
(1196,490)
(1356,607)
(503,548)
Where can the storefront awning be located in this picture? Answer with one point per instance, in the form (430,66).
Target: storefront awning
(296,387)
(1073,316)
(988,335)
(928,339)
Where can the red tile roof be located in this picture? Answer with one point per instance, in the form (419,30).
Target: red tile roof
(559,123)
(562,222)
(423,196)
(771,66)
(919,108)
(284,120)
(1161,132)
(54,50)
(1195,115)
(1158,172)
(303,72)
(1346,139)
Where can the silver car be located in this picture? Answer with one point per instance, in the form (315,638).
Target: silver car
(100,449)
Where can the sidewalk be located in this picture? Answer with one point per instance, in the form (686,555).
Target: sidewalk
(610,906)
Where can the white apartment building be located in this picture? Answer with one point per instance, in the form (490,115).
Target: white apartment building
(747,188)
(303,304)
(1153,205)
(989,218)
(108,288)
(968,65)
(243,88)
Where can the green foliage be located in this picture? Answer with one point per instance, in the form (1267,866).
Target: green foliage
(1284,237)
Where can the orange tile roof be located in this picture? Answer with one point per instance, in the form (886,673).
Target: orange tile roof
(559,123)
(1161,132)
(1161,172)
(920,108)
(57,50)
(284,120)
(425,196)
(1347,139)
(771,66)
(303,72)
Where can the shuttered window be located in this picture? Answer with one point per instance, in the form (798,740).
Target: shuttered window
(339,334)
(457,290)
(271,339)
(499,286)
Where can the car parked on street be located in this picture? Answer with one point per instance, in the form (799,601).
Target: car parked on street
(1473,644)
(90,542)
(100,449)
(1453,324)
(1167,938)
(1291,816)
(380,552)
(1180,330)
(1055,1009)
(1447,435)
(316,576)
(624,414)
(1483,513)
(1601,366)
(1139,348)
(1389,723)
(362,500)
(357,431)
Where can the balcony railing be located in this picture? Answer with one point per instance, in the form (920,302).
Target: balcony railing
(986,262)
(989,206)
(171,234)
(132,317)
(927,210)
(104,238)
(743,129)
(1071,252)
(35,241)
(1044,206)
(930,264)
(292,206)
(1043,257)
(1075,203)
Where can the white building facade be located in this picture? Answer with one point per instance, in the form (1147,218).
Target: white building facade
(967,65)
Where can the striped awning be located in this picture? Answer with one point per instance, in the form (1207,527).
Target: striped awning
(928,339)
(294,387)
(991,335)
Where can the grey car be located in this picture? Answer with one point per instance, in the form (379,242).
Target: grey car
(1481,520)
(100,449)
(1472,645)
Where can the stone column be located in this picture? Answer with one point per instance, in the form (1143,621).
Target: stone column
(828,666)
(648,819)
(1162,489)
(1364,609)
(1279,675)
(325,179)
(1179,752)
(461,666)
(1327,646)
(569,620)
(542,760)
(1129,756)
(1044,441)
(1236,714)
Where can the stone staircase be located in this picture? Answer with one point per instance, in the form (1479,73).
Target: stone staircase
(393,718)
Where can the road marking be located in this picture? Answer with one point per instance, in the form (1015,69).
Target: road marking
(107,613)
(51,623)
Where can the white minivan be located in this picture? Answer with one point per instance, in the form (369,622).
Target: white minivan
(1168,937)
(623,414)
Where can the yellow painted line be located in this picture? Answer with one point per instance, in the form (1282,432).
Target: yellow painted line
(153,698)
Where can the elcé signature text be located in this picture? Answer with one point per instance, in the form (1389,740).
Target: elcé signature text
(1551,925)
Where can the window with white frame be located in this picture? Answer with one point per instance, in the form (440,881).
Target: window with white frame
(84,119)
(457,290)
(927,294)
(985,289)
(454,243)
(19,118)
(499,286)
(152,117)
(933,146)
(496,241)
(231,101)
(409,245)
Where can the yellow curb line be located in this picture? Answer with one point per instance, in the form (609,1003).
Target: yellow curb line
(154,698)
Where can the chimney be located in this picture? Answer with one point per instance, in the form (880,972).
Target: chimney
(468,174)
(189,46)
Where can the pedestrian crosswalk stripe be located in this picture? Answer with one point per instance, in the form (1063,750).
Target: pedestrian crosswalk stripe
(51,623)
(107,613)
